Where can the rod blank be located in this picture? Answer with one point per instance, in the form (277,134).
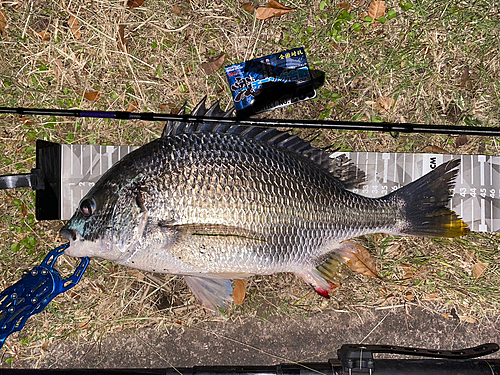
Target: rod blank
(337,125)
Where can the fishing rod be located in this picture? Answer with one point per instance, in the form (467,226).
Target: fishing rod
(395,128)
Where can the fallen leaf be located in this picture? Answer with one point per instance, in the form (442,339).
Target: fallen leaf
(478,269)
(45,345)
(384,104)
(73,26)
(93,96)
(85,325)
(408,270)
(44,34)
(467,319)
(465,79)
(133,105)
(345,6)
(272,9)
(409,296)
(360,260)
(376,9)
(164,107)
(134,3)
(120,39)
(426,51)
(460,141)
(214,64)
(239,291)
(248,7)
(3,22)
(176,10)
(434,149)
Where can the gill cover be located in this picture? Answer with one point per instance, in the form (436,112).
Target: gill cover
(130,217)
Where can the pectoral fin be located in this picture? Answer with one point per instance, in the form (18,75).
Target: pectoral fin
(213,293)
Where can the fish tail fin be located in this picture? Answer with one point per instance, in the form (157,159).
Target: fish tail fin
(425,205)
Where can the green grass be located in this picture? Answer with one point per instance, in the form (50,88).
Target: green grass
(417,57)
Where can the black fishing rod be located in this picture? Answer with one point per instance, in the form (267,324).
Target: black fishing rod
(352,360)
(402,127)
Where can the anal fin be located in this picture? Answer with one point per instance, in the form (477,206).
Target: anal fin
(324,278)
(213,293)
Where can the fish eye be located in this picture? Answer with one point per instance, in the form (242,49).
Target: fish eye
(87,207)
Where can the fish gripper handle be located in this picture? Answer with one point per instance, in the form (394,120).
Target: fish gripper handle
(34,291)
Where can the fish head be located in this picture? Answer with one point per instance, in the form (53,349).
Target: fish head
(108,223)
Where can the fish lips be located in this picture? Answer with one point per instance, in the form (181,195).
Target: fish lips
(70,234)
(76,243)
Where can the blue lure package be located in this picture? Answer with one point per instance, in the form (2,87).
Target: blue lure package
(270,82)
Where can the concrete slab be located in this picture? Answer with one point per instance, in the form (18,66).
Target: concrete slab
(274,341)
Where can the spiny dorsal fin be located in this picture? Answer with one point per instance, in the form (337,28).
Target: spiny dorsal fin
(340,167)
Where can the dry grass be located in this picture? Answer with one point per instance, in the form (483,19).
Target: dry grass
(418,59)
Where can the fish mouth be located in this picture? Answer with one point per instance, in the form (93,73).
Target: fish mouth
(70,234)
(76,244)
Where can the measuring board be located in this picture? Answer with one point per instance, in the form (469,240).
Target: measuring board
(476,196)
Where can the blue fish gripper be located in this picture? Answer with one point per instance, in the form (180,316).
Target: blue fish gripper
(34,291)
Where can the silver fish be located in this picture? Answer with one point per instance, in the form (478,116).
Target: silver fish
(213,202)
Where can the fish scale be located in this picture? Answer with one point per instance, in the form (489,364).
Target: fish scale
(214,202)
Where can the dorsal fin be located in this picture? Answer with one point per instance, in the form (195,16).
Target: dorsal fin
(340,166)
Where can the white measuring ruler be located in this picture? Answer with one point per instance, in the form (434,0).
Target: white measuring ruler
(476,196)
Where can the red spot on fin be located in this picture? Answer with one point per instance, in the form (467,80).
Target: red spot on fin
(323,292)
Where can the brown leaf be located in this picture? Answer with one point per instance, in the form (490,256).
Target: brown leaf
(465,79)
(214,64)
(176,10)
(132,106)
(44,34)
(460,141)
(272,9)
(434,149)
(134,3)
(120,39)
(73,26)
(239,290)
(376,9)
(360,260)
(478,269)
(409,296)
(85,325)
(164,107)
(384,104)
(3,22)
(345,6)
(248,7)
(93,96)
(408,270)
